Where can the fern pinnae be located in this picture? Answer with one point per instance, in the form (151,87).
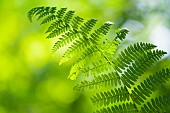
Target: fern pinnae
(34,11)
(109,97)
(68,17)
(105,28)
(95,56)
(46,11)
(140,66)
(59,31)
(51,16)
(87,27)
(60,13)
(96,35)
(85,56)
(157,105)
(104,80)
(151,83)
(108,63)
(131,53)
(110,48)
(124,108)
(66,39)
(57,24)
(101,67)
(48,19)
(98,66)
(121,33)
(75,49)
(60,21)
(69,36)
(76,22)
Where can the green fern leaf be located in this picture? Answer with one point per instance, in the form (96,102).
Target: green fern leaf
(124,108)
(110,79)
(59,31)
(139,66)
(78,68)
(75,49)
(149,85)
(109,48)
(69,15)
(89,55)
(48,19)
(80,63)
(76,22)
(109,97)
(157,105)
(131,53)
(102,65)
(46,11)
(103,30)
(33,12)
(87,27)
(41,12)
(121,33)
(57,24)
(66,38)
(61,12)
(94,55)
(66,19)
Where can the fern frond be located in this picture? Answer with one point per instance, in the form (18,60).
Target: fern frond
(94,55)
(66,19)
(76,22)
(121,33)
(51,16)
(109,48)
(69,15)
(157,105)
(61,12)
(97,67)
(66,38)
(87,27)
(57,24)
(91,53)
(149,85)
(139,66)
(102,65)
(94,36)
(48,19)
(75,49)
(45,12)
(78,68)
(110,79)
(87,55)
(131,53)
(33,12)
(103,30)
(59,31)
(42,12)
(124,108)
(109,97)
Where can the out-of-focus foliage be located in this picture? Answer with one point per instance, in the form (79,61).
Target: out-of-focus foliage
(32,82)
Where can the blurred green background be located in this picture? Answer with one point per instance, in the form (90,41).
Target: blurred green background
(31,81)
